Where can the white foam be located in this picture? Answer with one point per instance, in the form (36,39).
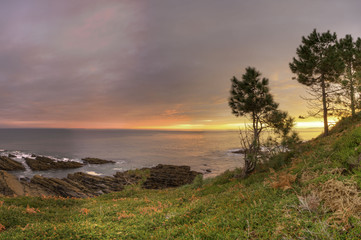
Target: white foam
(93,173)
(24,155)
(233,150)
(19,154)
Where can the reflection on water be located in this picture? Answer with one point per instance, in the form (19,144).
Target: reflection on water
(309,133)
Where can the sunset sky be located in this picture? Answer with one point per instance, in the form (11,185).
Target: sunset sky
(152,63)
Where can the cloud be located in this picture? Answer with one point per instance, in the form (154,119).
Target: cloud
(141,63)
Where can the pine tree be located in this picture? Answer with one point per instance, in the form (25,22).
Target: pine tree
(350,52)
(318,66)
(250,97)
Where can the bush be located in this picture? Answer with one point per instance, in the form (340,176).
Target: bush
(347,148)
(280,160)
(197,182)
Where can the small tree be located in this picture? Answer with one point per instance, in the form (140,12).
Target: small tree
(350,51)
(250,98)
(284,138)
(318,66)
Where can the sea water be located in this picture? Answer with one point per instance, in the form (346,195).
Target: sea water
(210,152)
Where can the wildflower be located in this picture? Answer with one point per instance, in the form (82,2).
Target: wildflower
(2,227)
(84,211)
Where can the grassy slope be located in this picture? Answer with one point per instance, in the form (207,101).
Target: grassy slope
(291,202)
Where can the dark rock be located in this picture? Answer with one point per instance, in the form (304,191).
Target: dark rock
(96,161)
(8,164)
(33,156)
(78,185)
(208,170)
(165,176)
(45,163)
(9,185)
(59,187)
(240,151)
(24,179)
(81,185)
(11,155)
(97,184)
(131,177)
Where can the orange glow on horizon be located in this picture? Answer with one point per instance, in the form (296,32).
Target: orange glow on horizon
(228,126)
(154,124)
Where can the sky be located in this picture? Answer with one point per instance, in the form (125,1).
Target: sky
(163,64)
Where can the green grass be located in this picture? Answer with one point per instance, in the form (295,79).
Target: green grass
(218,208)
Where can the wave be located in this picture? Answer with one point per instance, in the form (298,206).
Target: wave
(23,155)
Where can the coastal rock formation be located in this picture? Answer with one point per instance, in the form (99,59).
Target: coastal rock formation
(9,185)
(239,151)
(97,185)
(96,161)
(8,164)
(60,187)
(81,185)
(45,163)
(131,177)
(78,185)
(165,176)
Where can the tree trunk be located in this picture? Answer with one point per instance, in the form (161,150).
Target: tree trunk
(324,103)
(352,93)
(255,131)
(249,166)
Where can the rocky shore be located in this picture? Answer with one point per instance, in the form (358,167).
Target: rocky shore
(82,185)
(6,163)
(41,163)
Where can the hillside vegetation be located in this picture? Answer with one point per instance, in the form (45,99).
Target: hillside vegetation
(311,193)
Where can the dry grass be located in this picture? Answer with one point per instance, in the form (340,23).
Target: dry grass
(308,175)
(84,211)
(310,202)
(334,171)
(125,214)
(282,180)
(342,198)
(31,210)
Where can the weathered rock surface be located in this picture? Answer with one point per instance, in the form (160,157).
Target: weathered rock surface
(97,185)
(96,161)
(11,186)
(81,185)
(165,176)
(240,151)
(130,177)
(45,163)
(8,164)
(60,187)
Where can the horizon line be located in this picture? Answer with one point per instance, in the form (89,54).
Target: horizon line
(141,129)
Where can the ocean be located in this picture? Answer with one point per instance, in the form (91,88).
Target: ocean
(210,152)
